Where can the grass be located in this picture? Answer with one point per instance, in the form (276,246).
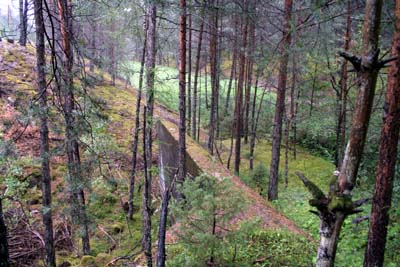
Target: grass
(167,88)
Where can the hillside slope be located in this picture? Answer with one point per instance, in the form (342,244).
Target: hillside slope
(107,153)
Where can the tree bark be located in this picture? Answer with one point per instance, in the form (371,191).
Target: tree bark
(189,74)
(23,22)
(344,90)
(93,53)
(338,205)
(147,130)
(213,73)
(250,64)
(72,145)
(375,251)
(238,121)
(280,104)
(182,94)
(50,258)
(162,229)
(196,77)
(137,125)
(4,255)
(233,66)
(254,121)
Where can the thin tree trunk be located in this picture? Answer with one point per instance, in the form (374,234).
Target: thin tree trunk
(162,229)
(72,145)
(189,74)
(4,255)
(199,113)
(253,127)
(313,89)
(23,22)
(137,126)
(93,48)
(280,104)
(238,121)
(50,258)
(146,238)
(182,94)
(341,142)
(294,124)
(375,251)
(233,66)
(147,130)
(286,134)
(213,73)
(250,64)
(196,77)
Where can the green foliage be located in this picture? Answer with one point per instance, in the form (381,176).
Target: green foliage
(280,248)
(245,244)
(205,217)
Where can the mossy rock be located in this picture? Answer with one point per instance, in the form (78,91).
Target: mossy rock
(88,261)
(117,228)
(102,259)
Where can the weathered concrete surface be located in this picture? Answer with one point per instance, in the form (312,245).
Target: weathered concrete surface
(200,161)
(168,154)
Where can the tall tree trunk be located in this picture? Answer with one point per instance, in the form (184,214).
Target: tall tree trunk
(196,78)
(280,104)
(254,122)
(23,22)
(213,72)
(182,94)
(146,237)
(50,259)
(375,251)
(250,64)
(4,255)
(344,92)
(93,52)
(147,129)
(294,123)
(189,74)
(72,145)
(334,208)
(137,125)
(232,75)
(313,89)
(162,229)
(238,121)
(113,63)
(199,113)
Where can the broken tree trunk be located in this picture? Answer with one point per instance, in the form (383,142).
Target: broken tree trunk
(337,205)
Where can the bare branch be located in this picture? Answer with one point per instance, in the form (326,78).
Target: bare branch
(314,189)
(353,59)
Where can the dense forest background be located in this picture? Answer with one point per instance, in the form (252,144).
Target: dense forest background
(199,133)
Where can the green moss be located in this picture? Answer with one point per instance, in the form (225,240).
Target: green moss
(102,259)
(88,261)
(341,203)
(117,228)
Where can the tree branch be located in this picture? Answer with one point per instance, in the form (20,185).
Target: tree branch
(314,189)
(360,202)
(356,61)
